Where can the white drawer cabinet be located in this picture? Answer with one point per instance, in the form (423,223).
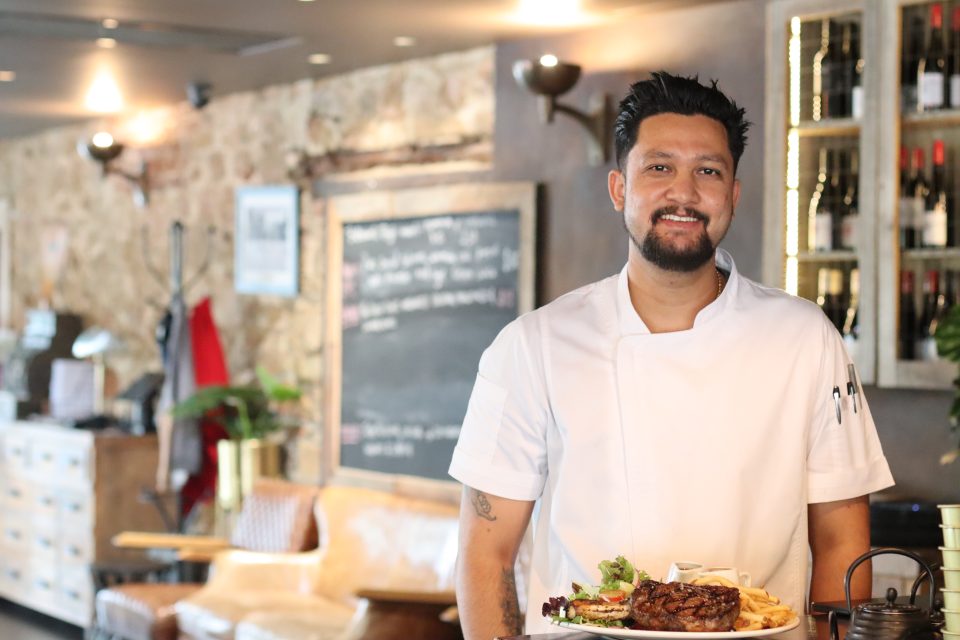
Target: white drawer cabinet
(64,494)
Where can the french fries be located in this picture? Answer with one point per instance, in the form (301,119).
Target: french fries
(758,609)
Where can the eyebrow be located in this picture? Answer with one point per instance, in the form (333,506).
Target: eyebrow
(708,157)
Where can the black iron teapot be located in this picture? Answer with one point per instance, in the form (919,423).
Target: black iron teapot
(889,620)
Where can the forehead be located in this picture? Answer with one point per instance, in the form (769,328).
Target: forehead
(677,134)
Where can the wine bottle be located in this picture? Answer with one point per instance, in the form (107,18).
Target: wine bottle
(851,321)
(849,210)
(822,67)
(823,207)
(913,44)
(932,314)
(838,186)
(918,194)
(838,309)
(842,93)
(907,229)
(935,203)
(932,68)
(908,317)
(955,59)
(856,63)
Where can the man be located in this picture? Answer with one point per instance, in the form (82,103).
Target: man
(677,411)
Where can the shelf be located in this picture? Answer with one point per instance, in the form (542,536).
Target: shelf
(830,128)
(919,374)
(940,118)
(828,256)
(931,254)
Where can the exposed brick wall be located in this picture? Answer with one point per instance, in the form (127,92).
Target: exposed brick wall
(200,159)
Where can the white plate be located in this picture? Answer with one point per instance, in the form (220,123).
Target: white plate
(613,632)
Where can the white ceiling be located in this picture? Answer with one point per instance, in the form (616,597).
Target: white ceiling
(53,72)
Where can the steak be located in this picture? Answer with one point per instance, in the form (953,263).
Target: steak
(675,606)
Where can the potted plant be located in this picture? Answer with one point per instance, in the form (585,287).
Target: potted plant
(947,336)
(250,414)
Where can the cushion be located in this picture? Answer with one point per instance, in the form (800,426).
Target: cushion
(143,610)
(216,613)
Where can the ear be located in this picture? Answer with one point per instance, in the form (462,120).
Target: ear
(736,197)
(616,185)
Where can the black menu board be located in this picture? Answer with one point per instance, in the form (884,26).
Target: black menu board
(420,298)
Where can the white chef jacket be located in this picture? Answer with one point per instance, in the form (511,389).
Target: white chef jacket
(704,445)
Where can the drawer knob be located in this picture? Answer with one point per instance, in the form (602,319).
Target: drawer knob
(13,574)
(13,534)
(45,542)
(47,501)
(44,584)
(73,594)
(14,493)
(74,462)
(74,507)
(48,457)
(74,551)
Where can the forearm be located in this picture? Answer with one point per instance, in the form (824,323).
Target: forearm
(487,600)
(839,534)
(490,532)
(829,569)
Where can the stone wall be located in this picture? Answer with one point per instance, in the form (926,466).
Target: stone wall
(197,161)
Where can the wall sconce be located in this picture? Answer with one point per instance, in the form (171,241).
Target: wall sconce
(549,78)
(104,149)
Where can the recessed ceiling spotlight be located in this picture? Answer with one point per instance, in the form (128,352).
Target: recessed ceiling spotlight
(319,58)
(109,23)
(8,76)
(306,0)
(404,41)
(106,43)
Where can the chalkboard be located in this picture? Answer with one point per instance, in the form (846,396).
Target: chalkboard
(424,281)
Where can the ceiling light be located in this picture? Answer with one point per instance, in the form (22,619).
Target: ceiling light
(104,94)
(8,76)
(106,43)
(319,58)
(109,23)
(102,139)
(548,60)
(552,13)
(404,41)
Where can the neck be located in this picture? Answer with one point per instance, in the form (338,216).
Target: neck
(669,300)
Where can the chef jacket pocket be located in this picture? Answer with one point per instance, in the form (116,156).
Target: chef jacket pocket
(481,425)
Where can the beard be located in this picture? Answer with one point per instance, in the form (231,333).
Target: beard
(656,250)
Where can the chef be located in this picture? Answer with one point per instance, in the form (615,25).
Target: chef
(676,411)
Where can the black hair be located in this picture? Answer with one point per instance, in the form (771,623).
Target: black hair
(666,93)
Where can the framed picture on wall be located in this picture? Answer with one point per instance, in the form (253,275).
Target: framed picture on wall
(267,240)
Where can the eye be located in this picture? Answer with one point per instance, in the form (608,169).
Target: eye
(657,168)
(710,171)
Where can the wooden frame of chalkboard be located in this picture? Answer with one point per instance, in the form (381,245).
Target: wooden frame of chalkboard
(419,282)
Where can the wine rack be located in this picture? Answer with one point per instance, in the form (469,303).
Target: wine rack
(906,225)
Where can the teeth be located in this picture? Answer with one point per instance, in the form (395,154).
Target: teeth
(677,218)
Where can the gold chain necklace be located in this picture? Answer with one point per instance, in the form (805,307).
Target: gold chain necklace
(719,283)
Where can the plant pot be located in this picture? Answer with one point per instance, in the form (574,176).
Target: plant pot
(239,464)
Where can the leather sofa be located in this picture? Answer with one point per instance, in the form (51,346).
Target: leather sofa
(384,568)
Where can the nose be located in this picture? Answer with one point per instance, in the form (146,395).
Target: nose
(683,189)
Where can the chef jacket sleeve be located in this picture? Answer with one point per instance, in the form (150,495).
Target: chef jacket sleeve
(844,460)
(502,444)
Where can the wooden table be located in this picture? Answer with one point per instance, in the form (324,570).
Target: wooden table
(811,628)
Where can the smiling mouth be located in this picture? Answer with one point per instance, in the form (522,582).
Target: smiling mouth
(673,214)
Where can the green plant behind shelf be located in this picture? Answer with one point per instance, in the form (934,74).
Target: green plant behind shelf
(947,337)
(245,411)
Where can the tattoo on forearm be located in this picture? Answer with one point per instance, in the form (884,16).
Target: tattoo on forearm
(509,606)
(482,506)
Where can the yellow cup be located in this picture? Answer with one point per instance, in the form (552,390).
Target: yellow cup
(950,514)
(951,558)
(952,618)
(951,599)
(951,536)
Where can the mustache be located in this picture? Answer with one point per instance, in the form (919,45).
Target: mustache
(687,211)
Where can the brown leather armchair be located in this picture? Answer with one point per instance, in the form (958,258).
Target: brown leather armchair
(276,517)
(384,567)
